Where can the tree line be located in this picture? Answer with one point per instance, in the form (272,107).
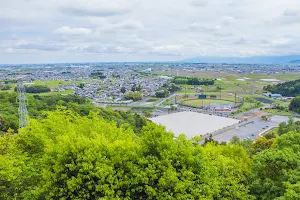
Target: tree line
(288,89)
(36,89)
(37,106)
(193,80)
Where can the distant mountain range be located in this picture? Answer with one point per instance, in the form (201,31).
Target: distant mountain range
(295,61)
(247,60)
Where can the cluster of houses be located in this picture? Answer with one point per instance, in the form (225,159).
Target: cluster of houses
(117,84)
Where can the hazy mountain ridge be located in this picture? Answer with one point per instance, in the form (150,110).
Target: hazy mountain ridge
(248,60)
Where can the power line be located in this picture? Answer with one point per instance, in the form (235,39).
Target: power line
(23,113)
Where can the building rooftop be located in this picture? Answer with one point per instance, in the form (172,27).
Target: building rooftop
(193,124)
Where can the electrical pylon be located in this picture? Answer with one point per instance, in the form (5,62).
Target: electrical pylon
(23,113)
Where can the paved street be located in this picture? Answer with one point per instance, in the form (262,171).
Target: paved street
(164,100)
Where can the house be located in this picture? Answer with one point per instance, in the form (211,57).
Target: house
(270,95)
(222,109)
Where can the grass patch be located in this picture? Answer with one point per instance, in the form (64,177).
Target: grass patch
(50,83)
(152,100)
(198,102)
(136,108)
(278,112)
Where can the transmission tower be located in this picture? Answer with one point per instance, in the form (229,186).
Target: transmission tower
(23,113)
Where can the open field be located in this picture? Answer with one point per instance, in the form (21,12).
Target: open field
(233,82)
(55,83)
(198,102)
(53,93)
(51,84)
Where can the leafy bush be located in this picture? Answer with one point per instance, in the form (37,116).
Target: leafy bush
(135,96)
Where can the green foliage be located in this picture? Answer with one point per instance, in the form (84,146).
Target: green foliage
(37,89)
(67,156)
(289,89)
(5,87)
(37,105)
(193,81)
(123,90)
(288,127)
(147,113)
(73,150)
(81,85)
(251,104)
(9,111)
(136,88)
(162,94)
(295,105)
(135,96)
(276,171)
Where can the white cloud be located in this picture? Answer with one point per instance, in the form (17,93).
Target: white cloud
(149,30)
(96,7)
(199,3)
(227,20)
(65,30)
(291,12)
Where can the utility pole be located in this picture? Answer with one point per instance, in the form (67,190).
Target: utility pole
(185,89)
(23,113)
(252,92)
(234,98)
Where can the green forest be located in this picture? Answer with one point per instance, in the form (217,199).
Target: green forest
(295,104)
(39,105)
(73,150)
(37,89)
(288,89)
(193,81)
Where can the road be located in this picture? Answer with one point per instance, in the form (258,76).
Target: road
(164,100)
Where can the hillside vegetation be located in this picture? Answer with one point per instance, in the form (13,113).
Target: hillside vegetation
(288,89)
(38,105)
(72,150)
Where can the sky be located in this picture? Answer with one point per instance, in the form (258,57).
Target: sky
(48,31)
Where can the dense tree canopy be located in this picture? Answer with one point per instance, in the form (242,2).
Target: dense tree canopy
(37,89)
(289,89)
(276,171)
(135,96)
(295,105)
(67,156)
(73,150)
(193,81)
(37,105)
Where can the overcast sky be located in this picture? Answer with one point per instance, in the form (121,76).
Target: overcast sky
(39,31)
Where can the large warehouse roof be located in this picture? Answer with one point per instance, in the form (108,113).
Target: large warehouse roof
(192,123)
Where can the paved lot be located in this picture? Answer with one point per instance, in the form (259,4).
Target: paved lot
(251,131)
(192,123)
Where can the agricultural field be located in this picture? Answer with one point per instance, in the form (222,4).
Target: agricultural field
(50,83)
(237,82)
(57,83)
(54,93)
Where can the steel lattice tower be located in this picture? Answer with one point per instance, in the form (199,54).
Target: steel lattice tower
(23,113)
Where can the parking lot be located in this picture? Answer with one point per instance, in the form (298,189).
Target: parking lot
(252,130)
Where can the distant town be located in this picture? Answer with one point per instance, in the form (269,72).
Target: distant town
(242,92)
